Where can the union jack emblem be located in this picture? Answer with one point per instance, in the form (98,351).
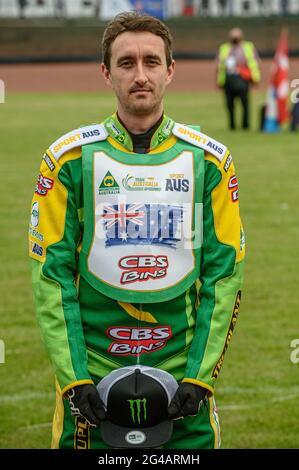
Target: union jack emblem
(122,213)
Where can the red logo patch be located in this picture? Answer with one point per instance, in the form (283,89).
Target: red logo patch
(43,185)
(142,268)
(129,341)
(233,187)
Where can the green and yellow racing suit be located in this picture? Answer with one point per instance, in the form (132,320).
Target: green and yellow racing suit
(136,258)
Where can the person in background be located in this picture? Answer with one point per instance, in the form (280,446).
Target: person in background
(22,6)
(237,68)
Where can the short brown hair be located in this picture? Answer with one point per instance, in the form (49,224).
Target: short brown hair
(133,21)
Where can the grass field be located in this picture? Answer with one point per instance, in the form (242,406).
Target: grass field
(258,386)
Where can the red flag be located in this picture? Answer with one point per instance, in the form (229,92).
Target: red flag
(279,77)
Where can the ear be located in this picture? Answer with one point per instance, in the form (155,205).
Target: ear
(106,74)
(170,72)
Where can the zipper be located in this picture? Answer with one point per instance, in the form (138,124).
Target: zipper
(139,325)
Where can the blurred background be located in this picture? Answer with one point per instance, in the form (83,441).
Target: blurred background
(36,30)
(50,83)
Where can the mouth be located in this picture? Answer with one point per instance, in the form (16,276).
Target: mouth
(141,90)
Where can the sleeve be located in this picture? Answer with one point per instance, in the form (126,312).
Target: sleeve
(54,235)
(221,273)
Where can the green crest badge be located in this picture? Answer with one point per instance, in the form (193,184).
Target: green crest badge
(109,185)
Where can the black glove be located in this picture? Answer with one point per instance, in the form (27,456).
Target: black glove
(186,401)
(85,401)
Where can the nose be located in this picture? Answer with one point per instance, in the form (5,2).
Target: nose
(140,75)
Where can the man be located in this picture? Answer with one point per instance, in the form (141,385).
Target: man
(238,67)
(121,274)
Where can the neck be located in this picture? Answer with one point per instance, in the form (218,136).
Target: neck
(139,124)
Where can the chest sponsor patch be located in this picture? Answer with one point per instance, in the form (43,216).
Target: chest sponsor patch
(108,185)
(148,183)
(129,341)
(177,183)
(142,268)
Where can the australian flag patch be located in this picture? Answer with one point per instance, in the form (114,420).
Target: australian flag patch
(142,224)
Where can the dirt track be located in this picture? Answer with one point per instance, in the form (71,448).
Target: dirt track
(190,76)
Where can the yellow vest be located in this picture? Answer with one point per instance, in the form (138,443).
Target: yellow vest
(252,63)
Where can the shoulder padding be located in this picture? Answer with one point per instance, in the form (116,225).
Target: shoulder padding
(78,137)
(200,140)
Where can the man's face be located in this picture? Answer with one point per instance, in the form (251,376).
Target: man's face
(138,72)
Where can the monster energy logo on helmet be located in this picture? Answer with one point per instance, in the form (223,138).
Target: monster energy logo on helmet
(136,408)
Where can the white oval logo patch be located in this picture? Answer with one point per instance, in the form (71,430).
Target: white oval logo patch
(135,437)
(34,214)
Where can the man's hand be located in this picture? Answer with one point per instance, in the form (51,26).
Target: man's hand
(186,401)
(85,401)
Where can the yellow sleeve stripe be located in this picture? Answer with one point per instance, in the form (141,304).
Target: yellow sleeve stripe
(200,383)
(74,384)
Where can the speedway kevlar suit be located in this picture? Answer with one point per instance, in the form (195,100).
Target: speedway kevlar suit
(136,257)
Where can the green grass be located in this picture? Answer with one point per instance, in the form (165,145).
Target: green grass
(258,387)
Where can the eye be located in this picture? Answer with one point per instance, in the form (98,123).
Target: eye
(152,62)
(126,64)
